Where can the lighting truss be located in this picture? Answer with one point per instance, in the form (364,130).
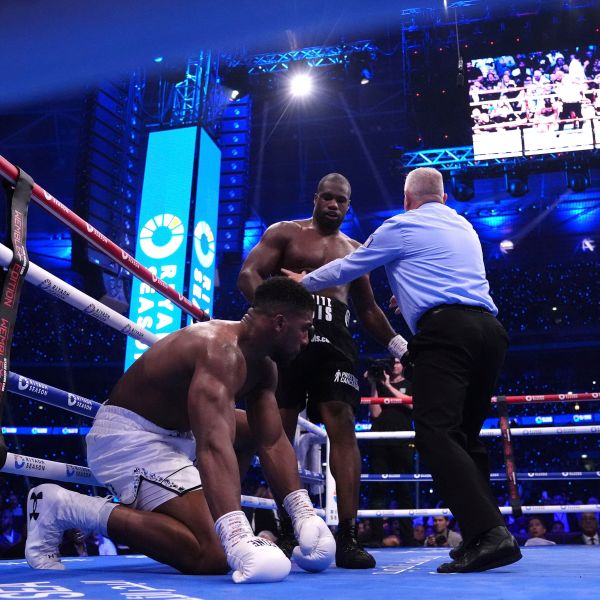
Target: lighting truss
(316,56)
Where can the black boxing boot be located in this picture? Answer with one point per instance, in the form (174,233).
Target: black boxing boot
(286,540)
(349,553)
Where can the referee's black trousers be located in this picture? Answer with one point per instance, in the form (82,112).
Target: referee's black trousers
(458,353)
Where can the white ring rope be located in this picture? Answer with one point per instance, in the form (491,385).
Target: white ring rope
(505,510)
(27,466)
(67,293)
(309,426)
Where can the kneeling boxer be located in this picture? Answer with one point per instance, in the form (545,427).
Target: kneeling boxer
(176,403)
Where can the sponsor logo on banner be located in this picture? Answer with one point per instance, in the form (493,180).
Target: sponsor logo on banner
(27,462)
(161,236)
(77,471)
(97,311)
(38,589)
(54,289)
(89,227)
(32,386)
(80,402)
(133,332)
(204,244)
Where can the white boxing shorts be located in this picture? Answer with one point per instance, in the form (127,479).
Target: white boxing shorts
(142,464)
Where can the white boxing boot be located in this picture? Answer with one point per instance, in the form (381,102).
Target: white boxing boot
(50,511)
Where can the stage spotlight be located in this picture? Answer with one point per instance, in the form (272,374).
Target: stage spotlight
(578,177)
(360,67)
(236,80)
(506,246)
(301,85)
(516,183)
(462,188)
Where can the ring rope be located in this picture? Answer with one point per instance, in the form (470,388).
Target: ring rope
(28,466)
(517,431)
(418,477)
(58,288)
(505,510)
(309,426)
(53,396)
(102,243)
(527,399)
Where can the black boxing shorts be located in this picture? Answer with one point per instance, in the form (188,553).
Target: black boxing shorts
(326,369)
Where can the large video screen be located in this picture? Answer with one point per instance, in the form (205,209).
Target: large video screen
(535,103)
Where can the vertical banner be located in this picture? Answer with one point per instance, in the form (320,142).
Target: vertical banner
(201,283)
(162,231)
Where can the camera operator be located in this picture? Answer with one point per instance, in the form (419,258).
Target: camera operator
(442,536)
(391,456)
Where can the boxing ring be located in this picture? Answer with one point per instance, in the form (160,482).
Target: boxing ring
(574,569)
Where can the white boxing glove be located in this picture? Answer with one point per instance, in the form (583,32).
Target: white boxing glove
(256,560)
(253,559)
(316,544)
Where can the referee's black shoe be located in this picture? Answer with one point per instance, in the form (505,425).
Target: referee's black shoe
(495,548)
(457,552)
(349,554)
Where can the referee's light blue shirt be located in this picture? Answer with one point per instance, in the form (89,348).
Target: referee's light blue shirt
(432,256)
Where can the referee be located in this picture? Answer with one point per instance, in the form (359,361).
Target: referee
(434,264)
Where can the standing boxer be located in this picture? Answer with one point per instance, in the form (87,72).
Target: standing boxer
(324,373)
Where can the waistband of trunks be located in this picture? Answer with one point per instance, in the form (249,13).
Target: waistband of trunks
(132,421)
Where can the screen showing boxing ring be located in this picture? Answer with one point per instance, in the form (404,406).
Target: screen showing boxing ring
(535,103)
(164,228)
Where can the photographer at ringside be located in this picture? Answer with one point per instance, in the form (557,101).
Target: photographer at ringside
(391,456)
(443,536)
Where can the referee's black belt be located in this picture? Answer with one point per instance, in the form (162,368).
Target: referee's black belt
(443,307)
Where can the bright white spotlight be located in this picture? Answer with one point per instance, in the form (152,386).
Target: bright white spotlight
(301,85)
(234,94)
(506,246)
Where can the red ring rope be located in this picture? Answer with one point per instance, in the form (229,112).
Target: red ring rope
(100,241)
